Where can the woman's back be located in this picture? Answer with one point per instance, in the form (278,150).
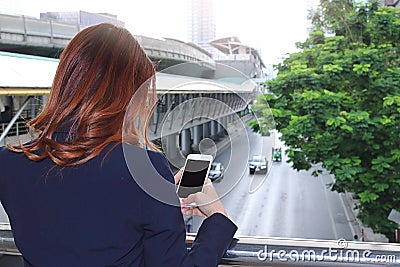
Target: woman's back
(69,195)
(93,214)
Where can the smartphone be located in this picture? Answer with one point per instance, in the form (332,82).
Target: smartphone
(194,174)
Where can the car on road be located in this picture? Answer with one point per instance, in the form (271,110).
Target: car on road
(258,164)
(216,171)
(277,154)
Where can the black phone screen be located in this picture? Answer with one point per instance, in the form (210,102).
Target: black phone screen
(193,177)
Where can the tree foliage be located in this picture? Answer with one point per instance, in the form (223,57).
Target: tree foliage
(337,102)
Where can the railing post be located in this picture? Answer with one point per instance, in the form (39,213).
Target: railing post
(51,32)
(25,30)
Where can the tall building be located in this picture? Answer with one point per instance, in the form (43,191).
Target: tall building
(202,23)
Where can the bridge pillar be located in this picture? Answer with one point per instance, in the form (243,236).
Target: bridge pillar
(185,141)
(227,120)
(222,126)
(197,136)
(172,149)
(206,129)
(214,130)
(226,125)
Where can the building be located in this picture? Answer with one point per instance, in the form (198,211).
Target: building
(393,3)
(81,18)
(239,56)
(201,24)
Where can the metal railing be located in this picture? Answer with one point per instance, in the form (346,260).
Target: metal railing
(19,128)
(264,251)
(18,132)
(10,125)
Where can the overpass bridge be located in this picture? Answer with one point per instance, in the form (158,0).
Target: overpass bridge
(27,35)
(21,36)
(27,79)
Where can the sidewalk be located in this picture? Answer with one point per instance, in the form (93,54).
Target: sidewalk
(357,226)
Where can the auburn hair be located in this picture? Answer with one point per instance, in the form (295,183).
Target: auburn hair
(99,72)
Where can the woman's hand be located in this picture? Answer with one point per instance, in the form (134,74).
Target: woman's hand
(178,176)
(207,202)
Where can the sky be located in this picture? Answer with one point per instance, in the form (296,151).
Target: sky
(270,26)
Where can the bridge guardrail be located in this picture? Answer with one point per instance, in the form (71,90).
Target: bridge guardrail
(28,30)
(264,251)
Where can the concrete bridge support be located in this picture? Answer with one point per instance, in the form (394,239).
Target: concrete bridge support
(206,129)
(185,142)
(171,146)
(222,126)
(197,137)
(214,130)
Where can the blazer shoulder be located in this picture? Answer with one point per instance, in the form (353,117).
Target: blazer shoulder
(10,163)
(3,151)
(140,157)
(7,155)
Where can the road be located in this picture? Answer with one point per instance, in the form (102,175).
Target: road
(283,203)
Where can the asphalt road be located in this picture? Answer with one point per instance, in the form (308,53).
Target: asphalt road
(283,203)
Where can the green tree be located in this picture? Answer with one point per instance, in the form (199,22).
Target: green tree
(337,102)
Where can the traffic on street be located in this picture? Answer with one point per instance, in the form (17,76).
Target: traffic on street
(282,202)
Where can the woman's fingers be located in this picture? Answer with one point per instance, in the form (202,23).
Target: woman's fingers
(192,198)
(207,202)
(192,211)
(178,176)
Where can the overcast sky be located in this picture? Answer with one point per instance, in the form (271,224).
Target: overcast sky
(271,26)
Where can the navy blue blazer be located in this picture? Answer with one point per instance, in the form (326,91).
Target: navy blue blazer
(95,214)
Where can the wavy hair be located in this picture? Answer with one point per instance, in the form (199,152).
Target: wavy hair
(99,71)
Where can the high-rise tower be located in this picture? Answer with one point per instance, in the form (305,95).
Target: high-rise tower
(202,23)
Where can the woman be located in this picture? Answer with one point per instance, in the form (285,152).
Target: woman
(69,195)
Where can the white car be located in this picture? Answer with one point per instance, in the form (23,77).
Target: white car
(258,164)
(216,171)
